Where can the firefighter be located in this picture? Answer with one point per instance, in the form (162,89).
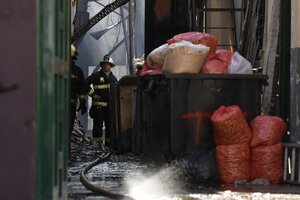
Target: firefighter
(77,88)
(99,85)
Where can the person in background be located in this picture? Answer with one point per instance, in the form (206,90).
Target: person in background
(99,85)
(77,88)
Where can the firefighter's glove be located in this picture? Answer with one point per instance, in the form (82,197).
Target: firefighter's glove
(96,97)
(83,108)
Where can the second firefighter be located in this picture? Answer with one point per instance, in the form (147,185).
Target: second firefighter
(77,88)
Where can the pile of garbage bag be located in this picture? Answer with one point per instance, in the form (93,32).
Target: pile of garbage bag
(195,52)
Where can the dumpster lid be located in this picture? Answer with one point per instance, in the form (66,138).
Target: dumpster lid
(261,77)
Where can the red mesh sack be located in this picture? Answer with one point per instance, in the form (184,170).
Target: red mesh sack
(230,126)
(224,56)
(213,66)
(198,38)
(267,162)
(267,130)
(233,162)
(148,70)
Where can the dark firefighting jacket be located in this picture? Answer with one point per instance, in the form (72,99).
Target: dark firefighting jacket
(99,83)
(77,84)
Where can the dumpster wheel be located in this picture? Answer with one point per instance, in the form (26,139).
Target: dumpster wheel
(95,188)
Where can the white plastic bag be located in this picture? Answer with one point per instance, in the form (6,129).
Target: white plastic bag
(239,65)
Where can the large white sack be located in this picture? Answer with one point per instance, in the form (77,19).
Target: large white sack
(185,57)
(156,58)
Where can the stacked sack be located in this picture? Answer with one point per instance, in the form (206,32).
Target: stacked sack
(246,152)
(232,137)
(266,147)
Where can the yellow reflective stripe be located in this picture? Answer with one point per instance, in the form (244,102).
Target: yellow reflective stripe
(81,96)
(102,86)
(99,103)
(98,139)
(73,100)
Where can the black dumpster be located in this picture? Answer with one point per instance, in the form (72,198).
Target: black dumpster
(173,110)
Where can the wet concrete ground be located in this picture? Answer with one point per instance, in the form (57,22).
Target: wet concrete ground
(143,178)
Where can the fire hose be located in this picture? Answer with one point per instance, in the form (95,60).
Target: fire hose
(95,188)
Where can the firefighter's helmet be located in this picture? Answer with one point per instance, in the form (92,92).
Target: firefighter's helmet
(74,52)
(107,59)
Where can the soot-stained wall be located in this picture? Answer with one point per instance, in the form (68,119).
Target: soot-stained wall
(17,98)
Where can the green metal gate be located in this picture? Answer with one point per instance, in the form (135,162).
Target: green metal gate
(53,28)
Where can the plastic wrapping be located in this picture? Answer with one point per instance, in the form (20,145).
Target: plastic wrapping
(239,65)
(233,162)
(230,126)
(267,162)
(267,130)
(200,166)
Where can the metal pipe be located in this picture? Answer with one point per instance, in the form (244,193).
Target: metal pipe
(131,37)
(125,33)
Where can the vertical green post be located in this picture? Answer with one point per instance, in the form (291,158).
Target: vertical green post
(53,33)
